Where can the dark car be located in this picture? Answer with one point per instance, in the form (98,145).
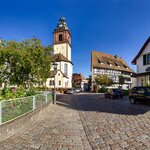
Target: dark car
(70,91)
(114,93)
(139,94)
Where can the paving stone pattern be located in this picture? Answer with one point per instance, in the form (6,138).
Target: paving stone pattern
(61,129)
(87,122)
(115,124)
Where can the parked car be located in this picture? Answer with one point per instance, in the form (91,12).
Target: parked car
(70,91)
(114,93)
(139,94)
(78,90)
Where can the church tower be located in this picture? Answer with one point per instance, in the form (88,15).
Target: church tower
(62,39)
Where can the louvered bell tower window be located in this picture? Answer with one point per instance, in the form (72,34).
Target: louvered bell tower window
(60,37)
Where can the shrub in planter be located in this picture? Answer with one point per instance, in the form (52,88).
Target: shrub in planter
(43,88)
(125,92)
(102,90)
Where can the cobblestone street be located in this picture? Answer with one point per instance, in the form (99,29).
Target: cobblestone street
(114,124)
(86,122)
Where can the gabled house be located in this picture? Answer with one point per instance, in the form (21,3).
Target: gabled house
(79,82)
(142,61)
(112,66)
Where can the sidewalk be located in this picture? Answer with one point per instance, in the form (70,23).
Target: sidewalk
(61,129)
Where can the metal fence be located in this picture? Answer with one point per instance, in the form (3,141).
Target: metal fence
(10,109)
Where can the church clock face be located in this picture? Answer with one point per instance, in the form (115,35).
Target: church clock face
(60,25)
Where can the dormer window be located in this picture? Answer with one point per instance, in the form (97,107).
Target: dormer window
(60,37)
(125,66)
(116,64)
(100,61)
(109,63)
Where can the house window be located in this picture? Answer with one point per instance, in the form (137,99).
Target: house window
(59,82)
(66,69)
(146,59)
(60,37)
(51,82)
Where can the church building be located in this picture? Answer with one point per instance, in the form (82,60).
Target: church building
(62,57)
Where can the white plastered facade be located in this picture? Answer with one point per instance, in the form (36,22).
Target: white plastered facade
(62,80)
(140,67)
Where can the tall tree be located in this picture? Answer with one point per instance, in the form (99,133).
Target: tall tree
(121,80)
(24,62)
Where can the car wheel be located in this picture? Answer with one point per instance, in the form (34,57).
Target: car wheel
(132,100)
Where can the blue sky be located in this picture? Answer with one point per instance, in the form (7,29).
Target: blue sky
(112,26)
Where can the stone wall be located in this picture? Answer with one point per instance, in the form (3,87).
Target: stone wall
(23,122)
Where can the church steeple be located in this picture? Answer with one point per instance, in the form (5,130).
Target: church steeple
(62,33)
(62,25)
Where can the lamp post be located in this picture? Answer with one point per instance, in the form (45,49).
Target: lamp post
(92,86)
(55,72)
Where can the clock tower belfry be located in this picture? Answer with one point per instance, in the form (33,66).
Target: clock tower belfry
(62,39)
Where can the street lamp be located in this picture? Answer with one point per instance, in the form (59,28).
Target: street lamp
(55,72)
(92,86)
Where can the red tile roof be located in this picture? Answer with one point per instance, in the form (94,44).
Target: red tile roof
(107,61)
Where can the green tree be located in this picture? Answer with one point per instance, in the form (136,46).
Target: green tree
(24,63)
(121,80)
(103,80)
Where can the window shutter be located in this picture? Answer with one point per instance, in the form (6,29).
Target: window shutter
(144,59)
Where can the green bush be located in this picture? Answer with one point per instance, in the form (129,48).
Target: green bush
(125,92)
(43,88)
(12,93)
(20,92)
(31,91)
(102,90)
(7,94)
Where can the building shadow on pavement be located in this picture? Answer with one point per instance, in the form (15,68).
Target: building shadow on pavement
(97,103)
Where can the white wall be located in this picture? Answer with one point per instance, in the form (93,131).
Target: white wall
(69,52)
(70,71)
(138,81)
(60,77)
(64,49)
(139,63)
(124,86)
